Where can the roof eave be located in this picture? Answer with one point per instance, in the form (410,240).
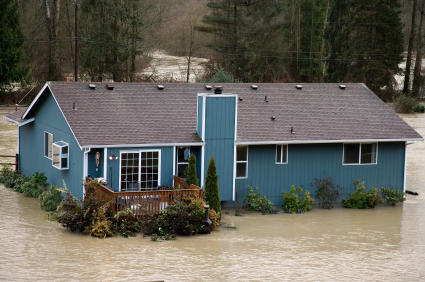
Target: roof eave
(326,141)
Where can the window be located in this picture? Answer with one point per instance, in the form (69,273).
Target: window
(359,153)
(60,158)
(182,160)
(48,144)
(281,154)
(241,161)
(140,170)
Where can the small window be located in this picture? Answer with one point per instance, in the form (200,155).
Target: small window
(281,154)
(60,155)
(48,145)
(241,161)
(359,153)
(183,154)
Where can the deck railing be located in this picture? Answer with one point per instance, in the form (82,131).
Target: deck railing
(143,203)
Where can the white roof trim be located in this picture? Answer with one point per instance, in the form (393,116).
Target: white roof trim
(327,141)
(145,145)
(18,123)
(35,100)
(27,121)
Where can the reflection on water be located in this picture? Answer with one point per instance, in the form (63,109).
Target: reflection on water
(382,244)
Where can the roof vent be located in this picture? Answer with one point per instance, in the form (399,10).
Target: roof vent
(110,86)
(73,107)
(240,99)
(299,87)
(292,129)
(208,87)
(273,118)
(92,86)
(342,86)
(265,99)
(255,87)
(161,87)
(218,89)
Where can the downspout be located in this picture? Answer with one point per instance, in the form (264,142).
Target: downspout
(85,166)
(405,159)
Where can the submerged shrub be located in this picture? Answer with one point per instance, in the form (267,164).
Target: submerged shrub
(291,202)
(392,196)
(255,202)
(35,186)
(51,199)
(419,108)
(12,178)
(126,224)
(211,193)
(326,191)
(361,199)
(405,104)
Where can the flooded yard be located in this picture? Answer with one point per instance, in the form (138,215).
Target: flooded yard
(382,244)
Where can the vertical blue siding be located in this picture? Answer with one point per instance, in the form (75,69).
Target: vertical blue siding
(199,119)
(219,141)
(48,117)
(166,165)
(92,163)
(309,161)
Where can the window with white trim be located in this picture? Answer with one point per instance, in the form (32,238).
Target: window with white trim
(48,144)
(241,161)
(140,170)
(360,153)
(183,154)
(281,154)
(60,158)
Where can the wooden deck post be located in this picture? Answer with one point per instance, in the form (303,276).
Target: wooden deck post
(17,162)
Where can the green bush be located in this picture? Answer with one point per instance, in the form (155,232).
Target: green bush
(222,77)
(211,192)
(326,191)
(35,186)
(291,202)
(255,202)
(361,199)
(179,218)
(405,104)
(126,224)
(51,199)
(190,172)
(392,196)
(12,178)
(419,108)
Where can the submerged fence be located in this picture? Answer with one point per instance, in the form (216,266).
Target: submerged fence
(13,158)
(143,203)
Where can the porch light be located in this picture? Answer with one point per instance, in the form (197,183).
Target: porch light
(112,157)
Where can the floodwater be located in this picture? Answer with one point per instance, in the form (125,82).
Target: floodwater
(382,244)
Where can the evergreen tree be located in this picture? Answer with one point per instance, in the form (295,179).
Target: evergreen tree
(190,172)
(12,49)
(367,42)
(222,77)
(211,193)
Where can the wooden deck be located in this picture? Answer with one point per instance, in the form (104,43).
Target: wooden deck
(142,203)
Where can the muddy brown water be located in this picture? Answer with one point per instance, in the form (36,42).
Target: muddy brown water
(382,244)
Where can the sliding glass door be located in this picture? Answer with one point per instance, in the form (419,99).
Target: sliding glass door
(140,170)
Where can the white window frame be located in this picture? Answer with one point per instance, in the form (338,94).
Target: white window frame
(237,162)
(140,163)
(177,157)
(60,145)
(281,153)
(360,153)
(46,154)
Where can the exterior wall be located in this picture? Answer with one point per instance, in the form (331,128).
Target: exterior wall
(48,117)
(220,140)
(93,170)
(166,165)
(309,161)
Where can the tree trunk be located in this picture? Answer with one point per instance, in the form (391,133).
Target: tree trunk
(311,42)
(418,63)
(406,87)
(322,47)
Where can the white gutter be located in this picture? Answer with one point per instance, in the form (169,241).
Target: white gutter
(326,141)
(145,145)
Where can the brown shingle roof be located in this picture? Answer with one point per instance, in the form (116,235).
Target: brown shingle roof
(17,116)
(140,113)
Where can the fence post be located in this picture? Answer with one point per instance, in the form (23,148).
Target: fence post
(17,162)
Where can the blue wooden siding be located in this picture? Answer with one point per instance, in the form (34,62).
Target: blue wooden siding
(309,161)
(93,170)
(199,118)
(166,165)
(48,117)
(219,141)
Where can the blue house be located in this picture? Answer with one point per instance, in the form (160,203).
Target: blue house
(138,135)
